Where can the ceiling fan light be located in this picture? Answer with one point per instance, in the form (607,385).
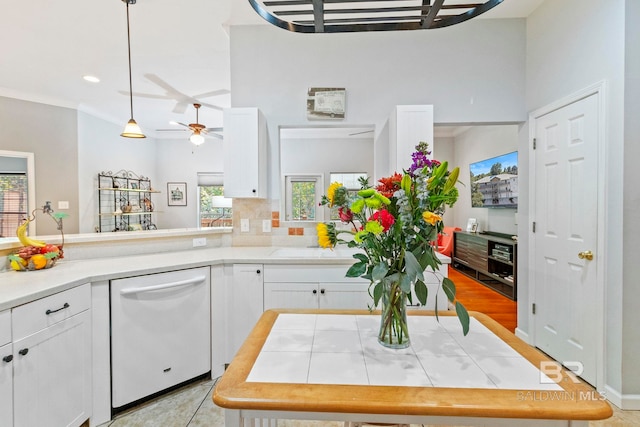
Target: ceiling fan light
(132,130)
(196,139)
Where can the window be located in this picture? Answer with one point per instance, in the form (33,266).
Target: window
(302,197)
(13,202)
(214,210)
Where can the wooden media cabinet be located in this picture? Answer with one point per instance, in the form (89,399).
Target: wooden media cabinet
(489,258)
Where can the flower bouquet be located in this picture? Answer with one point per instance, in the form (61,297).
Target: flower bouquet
(396,225)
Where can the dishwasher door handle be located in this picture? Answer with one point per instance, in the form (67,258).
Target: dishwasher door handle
(169,285)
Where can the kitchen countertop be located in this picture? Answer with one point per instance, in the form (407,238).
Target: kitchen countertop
(17,288)
(328,365)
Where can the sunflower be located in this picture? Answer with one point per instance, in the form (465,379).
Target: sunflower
(327,237)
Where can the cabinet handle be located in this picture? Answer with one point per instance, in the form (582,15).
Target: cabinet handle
(257,271)
(8,358)
(254,191)
(315,291)
(48,312)
(23,352)
(322,291)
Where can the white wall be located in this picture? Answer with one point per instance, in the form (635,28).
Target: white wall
(50,133)
(101,149)
(178,160)
(480,143)
(572,44)
(470,73)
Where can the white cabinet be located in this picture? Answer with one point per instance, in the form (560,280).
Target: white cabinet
(408,126)
(313,286)
(245,294)
(6,370)
(52,360)
(245,153)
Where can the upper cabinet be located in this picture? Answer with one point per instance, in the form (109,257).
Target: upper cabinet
(245,153)
(408,126)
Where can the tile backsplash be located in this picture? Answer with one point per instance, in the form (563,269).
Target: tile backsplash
(257,211)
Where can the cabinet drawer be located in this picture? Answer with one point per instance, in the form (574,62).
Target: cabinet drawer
(309,273)
(42,313)
(5,327)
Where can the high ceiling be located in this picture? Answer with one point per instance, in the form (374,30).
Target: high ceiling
(179,49)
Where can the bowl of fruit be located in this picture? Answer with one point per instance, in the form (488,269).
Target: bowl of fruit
(35,257)
(36,254)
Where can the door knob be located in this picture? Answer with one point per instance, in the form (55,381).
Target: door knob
(588,255)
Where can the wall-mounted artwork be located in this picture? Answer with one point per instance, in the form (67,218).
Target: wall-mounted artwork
(177,193)
(326,103)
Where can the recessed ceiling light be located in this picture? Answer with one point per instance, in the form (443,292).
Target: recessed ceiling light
(92,79)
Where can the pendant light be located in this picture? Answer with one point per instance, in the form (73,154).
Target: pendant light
(131,130)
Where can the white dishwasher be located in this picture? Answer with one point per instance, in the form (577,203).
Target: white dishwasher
(160,332)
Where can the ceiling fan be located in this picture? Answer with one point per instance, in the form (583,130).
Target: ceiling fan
(182,100)
(198,130)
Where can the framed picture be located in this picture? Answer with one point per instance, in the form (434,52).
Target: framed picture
(472,225)
(177,193)
(326,103)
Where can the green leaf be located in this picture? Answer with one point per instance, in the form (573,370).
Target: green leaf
(51,255)
(405,283)
(377,293)
(361,257)
(357,270)
(379,271)
(16,258)
(421,292)
(414,270)
(449,289)
(463,315)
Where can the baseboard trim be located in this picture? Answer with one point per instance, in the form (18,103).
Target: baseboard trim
(522,335)
(628,402)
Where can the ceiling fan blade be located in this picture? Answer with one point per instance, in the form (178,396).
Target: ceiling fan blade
(215,107)
(144,95)
(182,124)
(166,86)
(214,129)
(171,130)
(213,93)
(180,107)
(214,135)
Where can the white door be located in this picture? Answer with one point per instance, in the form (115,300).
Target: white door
(6,385)
(344,296)
(566,217)
(52,374)
(291,295)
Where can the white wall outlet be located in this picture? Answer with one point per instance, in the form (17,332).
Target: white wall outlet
(244,225)
(63,204)
(266,226)
(201,241)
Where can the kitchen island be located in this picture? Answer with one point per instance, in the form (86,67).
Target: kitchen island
(327,365)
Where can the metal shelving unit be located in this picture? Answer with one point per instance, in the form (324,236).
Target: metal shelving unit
(124,202)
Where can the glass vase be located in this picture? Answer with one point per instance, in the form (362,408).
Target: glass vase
(394,331)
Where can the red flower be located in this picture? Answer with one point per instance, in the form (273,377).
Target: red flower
(389,185)
(345,214)
(384,218)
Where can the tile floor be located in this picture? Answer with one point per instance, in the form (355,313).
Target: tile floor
(191,406)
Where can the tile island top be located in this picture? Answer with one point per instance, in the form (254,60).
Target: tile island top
(330,362)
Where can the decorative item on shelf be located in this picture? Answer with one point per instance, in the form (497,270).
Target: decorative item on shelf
(396,225)
(126,208)
(36,254)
